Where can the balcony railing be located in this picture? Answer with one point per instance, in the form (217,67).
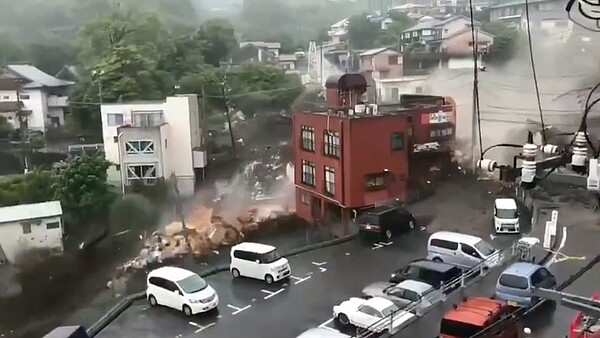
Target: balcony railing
(58,101)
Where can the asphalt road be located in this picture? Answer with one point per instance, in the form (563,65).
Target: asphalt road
(581,246)
(321,279)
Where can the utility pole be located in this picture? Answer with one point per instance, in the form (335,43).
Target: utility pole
(229,108)
(203,126)
(474,119)
(321,64)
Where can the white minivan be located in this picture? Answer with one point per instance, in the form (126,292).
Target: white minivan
(258,261)
(181,290)
(506,216)
(462,250)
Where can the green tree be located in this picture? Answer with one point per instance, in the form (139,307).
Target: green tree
(362,33)
(505,41)
(256,87)
(219,40)
(392,36)
(81,187)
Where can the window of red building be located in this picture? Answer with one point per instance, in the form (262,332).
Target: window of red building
(331,143)
(375,181)
(308,173)
(397,141)
(330,180)
(308,138)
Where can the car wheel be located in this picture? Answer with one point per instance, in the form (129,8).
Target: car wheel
(343,319)
(388,234)
(152,300)
(269,279)
(235,273)
(411,224)
(187,310)
(438,260)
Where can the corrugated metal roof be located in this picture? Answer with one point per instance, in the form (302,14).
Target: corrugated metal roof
(30,211)
(37,77)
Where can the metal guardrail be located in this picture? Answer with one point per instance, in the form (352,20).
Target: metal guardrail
(386,324)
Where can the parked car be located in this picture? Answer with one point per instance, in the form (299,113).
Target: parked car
(320,332)
(474,315)
(181,290)
(258,261)
(435,274)
(506,216)
(375,314)
(405,293)
(461,250)
(384,222)
(515,283)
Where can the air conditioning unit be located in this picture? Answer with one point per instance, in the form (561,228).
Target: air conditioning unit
(359,108)
(374,110)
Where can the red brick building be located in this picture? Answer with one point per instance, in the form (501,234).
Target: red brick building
(357,155)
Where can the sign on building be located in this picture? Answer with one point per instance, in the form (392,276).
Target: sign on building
(436,118)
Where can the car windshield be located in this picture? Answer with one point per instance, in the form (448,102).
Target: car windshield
(484,248)
(389,310)
(458,329)
(506,213)
(513,281)
(269,257)
(192,284)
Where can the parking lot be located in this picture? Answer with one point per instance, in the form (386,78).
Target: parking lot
(320,279)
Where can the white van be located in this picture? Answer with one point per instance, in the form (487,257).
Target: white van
(181,290)
(259,261)
(506,216)
(465,251)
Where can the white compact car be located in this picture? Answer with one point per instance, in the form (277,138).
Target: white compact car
(180,289)
(506,216)
(375,314)
(258,261)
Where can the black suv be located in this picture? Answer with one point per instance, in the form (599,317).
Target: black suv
(433,273)
(385,221)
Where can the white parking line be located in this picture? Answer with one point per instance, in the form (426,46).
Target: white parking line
(319,264)
(327,322)
(272,293)
(376,246)
(299,280)
(237,309)
(200,327)
(386,243)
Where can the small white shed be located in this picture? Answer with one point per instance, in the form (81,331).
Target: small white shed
(28,226)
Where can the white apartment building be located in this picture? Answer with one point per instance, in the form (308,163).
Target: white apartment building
(151,140)
(28,90)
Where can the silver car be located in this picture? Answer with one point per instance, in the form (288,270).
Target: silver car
(405,293)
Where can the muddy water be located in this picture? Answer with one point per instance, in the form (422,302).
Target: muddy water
(59,286)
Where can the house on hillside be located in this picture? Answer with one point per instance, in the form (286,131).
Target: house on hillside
(271,47)
(548,16)
(338,31)
(251,53)
(154,140)
(447,43)
(30,226)
(40,98)
(380,63)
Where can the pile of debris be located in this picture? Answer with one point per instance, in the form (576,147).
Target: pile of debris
(202,235)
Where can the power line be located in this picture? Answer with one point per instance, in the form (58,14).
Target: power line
(535,81)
